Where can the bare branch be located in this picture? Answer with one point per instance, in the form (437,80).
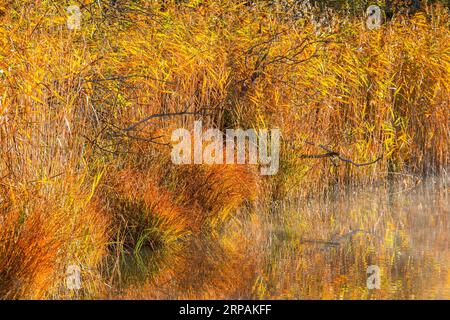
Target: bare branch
(159,115)
(332,153)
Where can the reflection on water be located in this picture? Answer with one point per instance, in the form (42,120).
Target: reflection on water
(321,249)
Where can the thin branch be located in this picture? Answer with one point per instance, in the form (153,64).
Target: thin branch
(332,153)
(159,115)
(151,140)
(122,78)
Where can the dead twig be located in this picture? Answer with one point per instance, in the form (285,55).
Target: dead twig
(159,115)
(335,154)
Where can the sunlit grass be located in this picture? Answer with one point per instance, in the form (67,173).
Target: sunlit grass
(75,188)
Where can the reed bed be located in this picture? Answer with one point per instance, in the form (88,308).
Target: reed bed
(85,180)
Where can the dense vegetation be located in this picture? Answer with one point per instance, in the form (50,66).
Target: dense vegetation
(76,188)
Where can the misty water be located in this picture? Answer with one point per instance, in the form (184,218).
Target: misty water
(322,248)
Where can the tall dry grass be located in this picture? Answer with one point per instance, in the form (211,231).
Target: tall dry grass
(78,189)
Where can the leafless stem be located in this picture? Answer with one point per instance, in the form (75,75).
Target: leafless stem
(332,153)
(159,115)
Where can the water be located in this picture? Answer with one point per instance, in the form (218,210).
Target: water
(321,249)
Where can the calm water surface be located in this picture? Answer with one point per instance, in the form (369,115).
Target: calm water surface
(321,249)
